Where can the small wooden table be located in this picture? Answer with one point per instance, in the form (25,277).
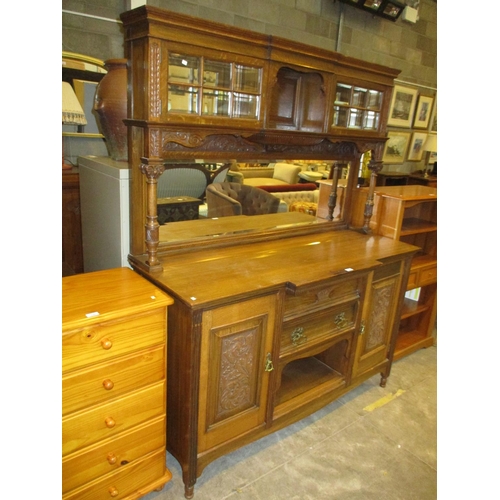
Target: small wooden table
(177,208)
(392,179)
(430,180)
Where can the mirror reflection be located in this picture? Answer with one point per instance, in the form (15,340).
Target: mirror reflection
(207,191)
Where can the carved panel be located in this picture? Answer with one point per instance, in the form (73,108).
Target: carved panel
(381,313)
(213,143)
(234,374)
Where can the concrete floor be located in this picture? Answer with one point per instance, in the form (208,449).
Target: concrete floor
(371,444)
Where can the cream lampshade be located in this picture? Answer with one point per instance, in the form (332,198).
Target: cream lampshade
(72,112)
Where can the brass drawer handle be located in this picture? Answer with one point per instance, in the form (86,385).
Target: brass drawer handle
(340,320)
(269,364)
(298,336)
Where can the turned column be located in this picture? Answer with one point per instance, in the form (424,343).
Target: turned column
(152,171)
(332,199)
(374,167)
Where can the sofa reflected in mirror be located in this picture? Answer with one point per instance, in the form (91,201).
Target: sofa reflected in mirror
(232,198)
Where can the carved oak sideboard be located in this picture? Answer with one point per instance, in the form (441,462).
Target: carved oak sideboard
(262,335)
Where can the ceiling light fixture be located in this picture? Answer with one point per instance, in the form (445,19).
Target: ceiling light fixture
(388,9)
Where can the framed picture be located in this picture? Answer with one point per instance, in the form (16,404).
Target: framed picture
(423,113)
(396,147)
(416,149)
(434,120)
(402,107)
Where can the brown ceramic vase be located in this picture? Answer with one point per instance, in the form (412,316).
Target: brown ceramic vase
(110,105)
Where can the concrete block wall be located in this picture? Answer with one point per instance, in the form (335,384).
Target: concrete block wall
(93,27)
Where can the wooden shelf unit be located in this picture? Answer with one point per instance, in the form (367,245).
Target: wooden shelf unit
(409,214)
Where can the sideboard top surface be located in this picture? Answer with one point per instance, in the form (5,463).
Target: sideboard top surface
(407,192)
(210,276)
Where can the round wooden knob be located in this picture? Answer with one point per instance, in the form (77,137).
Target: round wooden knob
(111,458)
(113,491)
(106,344)
(108,384)
(110,422)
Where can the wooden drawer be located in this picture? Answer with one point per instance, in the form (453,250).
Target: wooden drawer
(412,280)
(112,379)
(101,342)
(132,481)
(314,298)
(428,276)
(422,276)
(110,455)
(311,329)
(108,420)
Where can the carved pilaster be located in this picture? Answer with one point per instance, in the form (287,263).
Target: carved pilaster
(154,80)
(152,173)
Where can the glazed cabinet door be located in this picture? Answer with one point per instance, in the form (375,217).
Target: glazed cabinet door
(235,367)
(379,314)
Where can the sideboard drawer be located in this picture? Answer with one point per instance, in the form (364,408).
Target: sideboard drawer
(125,481)
(314,298)
(101,342)
(109,380)
(427,276)
(87,427)
(85,466)
(318,327)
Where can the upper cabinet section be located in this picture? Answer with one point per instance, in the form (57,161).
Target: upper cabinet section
(187,72)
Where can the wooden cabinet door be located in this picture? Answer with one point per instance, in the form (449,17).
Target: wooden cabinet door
(236,350)
(298,101)
(379,314)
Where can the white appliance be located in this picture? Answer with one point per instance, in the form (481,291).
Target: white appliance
(104,205)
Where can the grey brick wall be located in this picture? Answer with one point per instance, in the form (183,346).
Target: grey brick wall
(412,48)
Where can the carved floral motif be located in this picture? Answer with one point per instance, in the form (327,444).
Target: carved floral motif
(237,371)
(382,298)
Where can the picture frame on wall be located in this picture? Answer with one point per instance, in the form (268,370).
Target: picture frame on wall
(416,148)
(433,128)
(423,112)
(402,108)
(396,147)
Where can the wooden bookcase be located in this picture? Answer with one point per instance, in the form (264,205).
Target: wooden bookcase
(409,214)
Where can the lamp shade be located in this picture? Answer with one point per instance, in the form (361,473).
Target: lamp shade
(72,112)
(431,143)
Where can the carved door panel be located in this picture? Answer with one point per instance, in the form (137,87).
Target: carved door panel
(234,374)
(378,319)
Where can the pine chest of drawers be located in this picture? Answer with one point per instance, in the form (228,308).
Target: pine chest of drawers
(113,386)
